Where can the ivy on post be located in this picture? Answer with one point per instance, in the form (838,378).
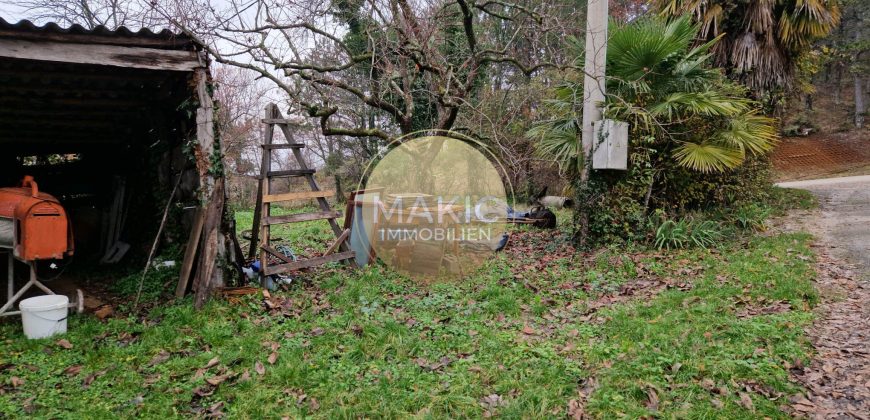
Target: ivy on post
(215,239)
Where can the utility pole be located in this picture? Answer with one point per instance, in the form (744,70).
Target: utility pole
(593,95)
(593,82)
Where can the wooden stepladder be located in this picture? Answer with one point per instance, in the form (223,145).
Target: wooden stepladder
(280,263)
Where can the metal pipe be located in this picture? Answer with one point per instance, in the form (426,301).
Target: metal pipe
(15,297)
(11,277)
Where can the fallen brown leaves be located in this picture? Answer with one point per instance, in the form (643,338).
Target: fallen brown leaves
(838,376)
(73,370)
(425,364)
(212,363)
(538,249)
(302,399)
(528,330)
(755,309)
(104,311)
(86,383)
(273,347)
(577,406)
(490,404)
(639,288)
(159,358)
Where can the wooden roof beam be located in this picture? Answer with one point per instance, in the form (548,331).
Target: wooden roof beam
(137,41)
(104,55)
(106,77)
(14,102)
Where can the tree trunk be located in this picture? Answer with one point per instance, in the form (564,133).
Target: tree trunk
(838,79)
(859,101)
(339,191)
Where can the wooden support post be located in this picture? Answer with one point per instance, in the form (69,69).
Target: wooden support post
(190,253)
(209,275)
(213,246)
(593,81)
(265,185)
(255,231)
(593,92)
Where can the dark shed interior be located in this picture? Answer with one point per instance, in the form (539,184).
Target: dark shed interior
(101,119)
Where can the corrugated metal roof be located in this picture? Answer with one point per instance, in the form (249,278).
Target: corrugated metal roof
(164,39)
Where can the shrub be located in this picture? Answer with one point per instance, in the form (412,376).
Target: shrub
(696,141)
(685,232)
(672,234)
(752,216)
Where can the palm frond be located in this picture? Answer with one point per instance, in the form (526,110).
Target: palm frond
(760,36)
(559,142)
(750,132)
(707,157)
(708,103)
(637,49)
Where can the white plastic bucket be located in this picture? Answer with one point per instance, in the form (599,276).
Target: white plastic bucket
(44,316)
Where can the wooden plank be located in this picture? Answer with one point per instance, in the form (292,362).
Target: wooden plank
(302,195)
(277,254)
(292,172)
(213,251)
(104,55)
(283,146)
(209,272)
(262,209)
(338,242)
(311,262)
(302,217)
(190,253)
(255,226)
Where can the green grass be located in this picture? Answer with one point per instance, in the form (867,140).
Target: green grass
(680,341)
(784,199)
(370,343)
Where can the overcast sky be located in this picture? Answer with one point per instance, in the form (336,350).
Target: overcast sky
(10,12)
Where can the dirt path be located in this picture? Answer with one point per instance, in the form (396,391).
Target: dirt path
(838,377)
(843,224)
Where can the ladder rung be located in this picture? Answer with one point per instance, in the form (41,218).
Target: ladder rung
(293,172)
(280,121)
(311,262)
(302,195)
(302,217)
(283,146)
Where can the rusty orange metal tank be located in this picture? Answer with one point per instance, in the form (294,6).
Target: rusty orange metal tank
(33,224)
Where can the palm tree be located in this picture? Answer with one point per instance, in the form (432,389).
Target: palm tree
(760,39)
(676,104)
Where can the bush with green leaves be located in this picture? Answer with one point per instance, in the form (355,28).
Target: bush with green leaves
(696,140)
(751,216)
(687,232)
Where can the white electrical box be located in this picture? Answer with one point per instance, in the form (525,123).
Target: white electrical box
(610,145)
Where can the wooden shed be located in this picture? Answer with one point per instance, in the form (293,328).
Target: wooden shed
(111,122)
